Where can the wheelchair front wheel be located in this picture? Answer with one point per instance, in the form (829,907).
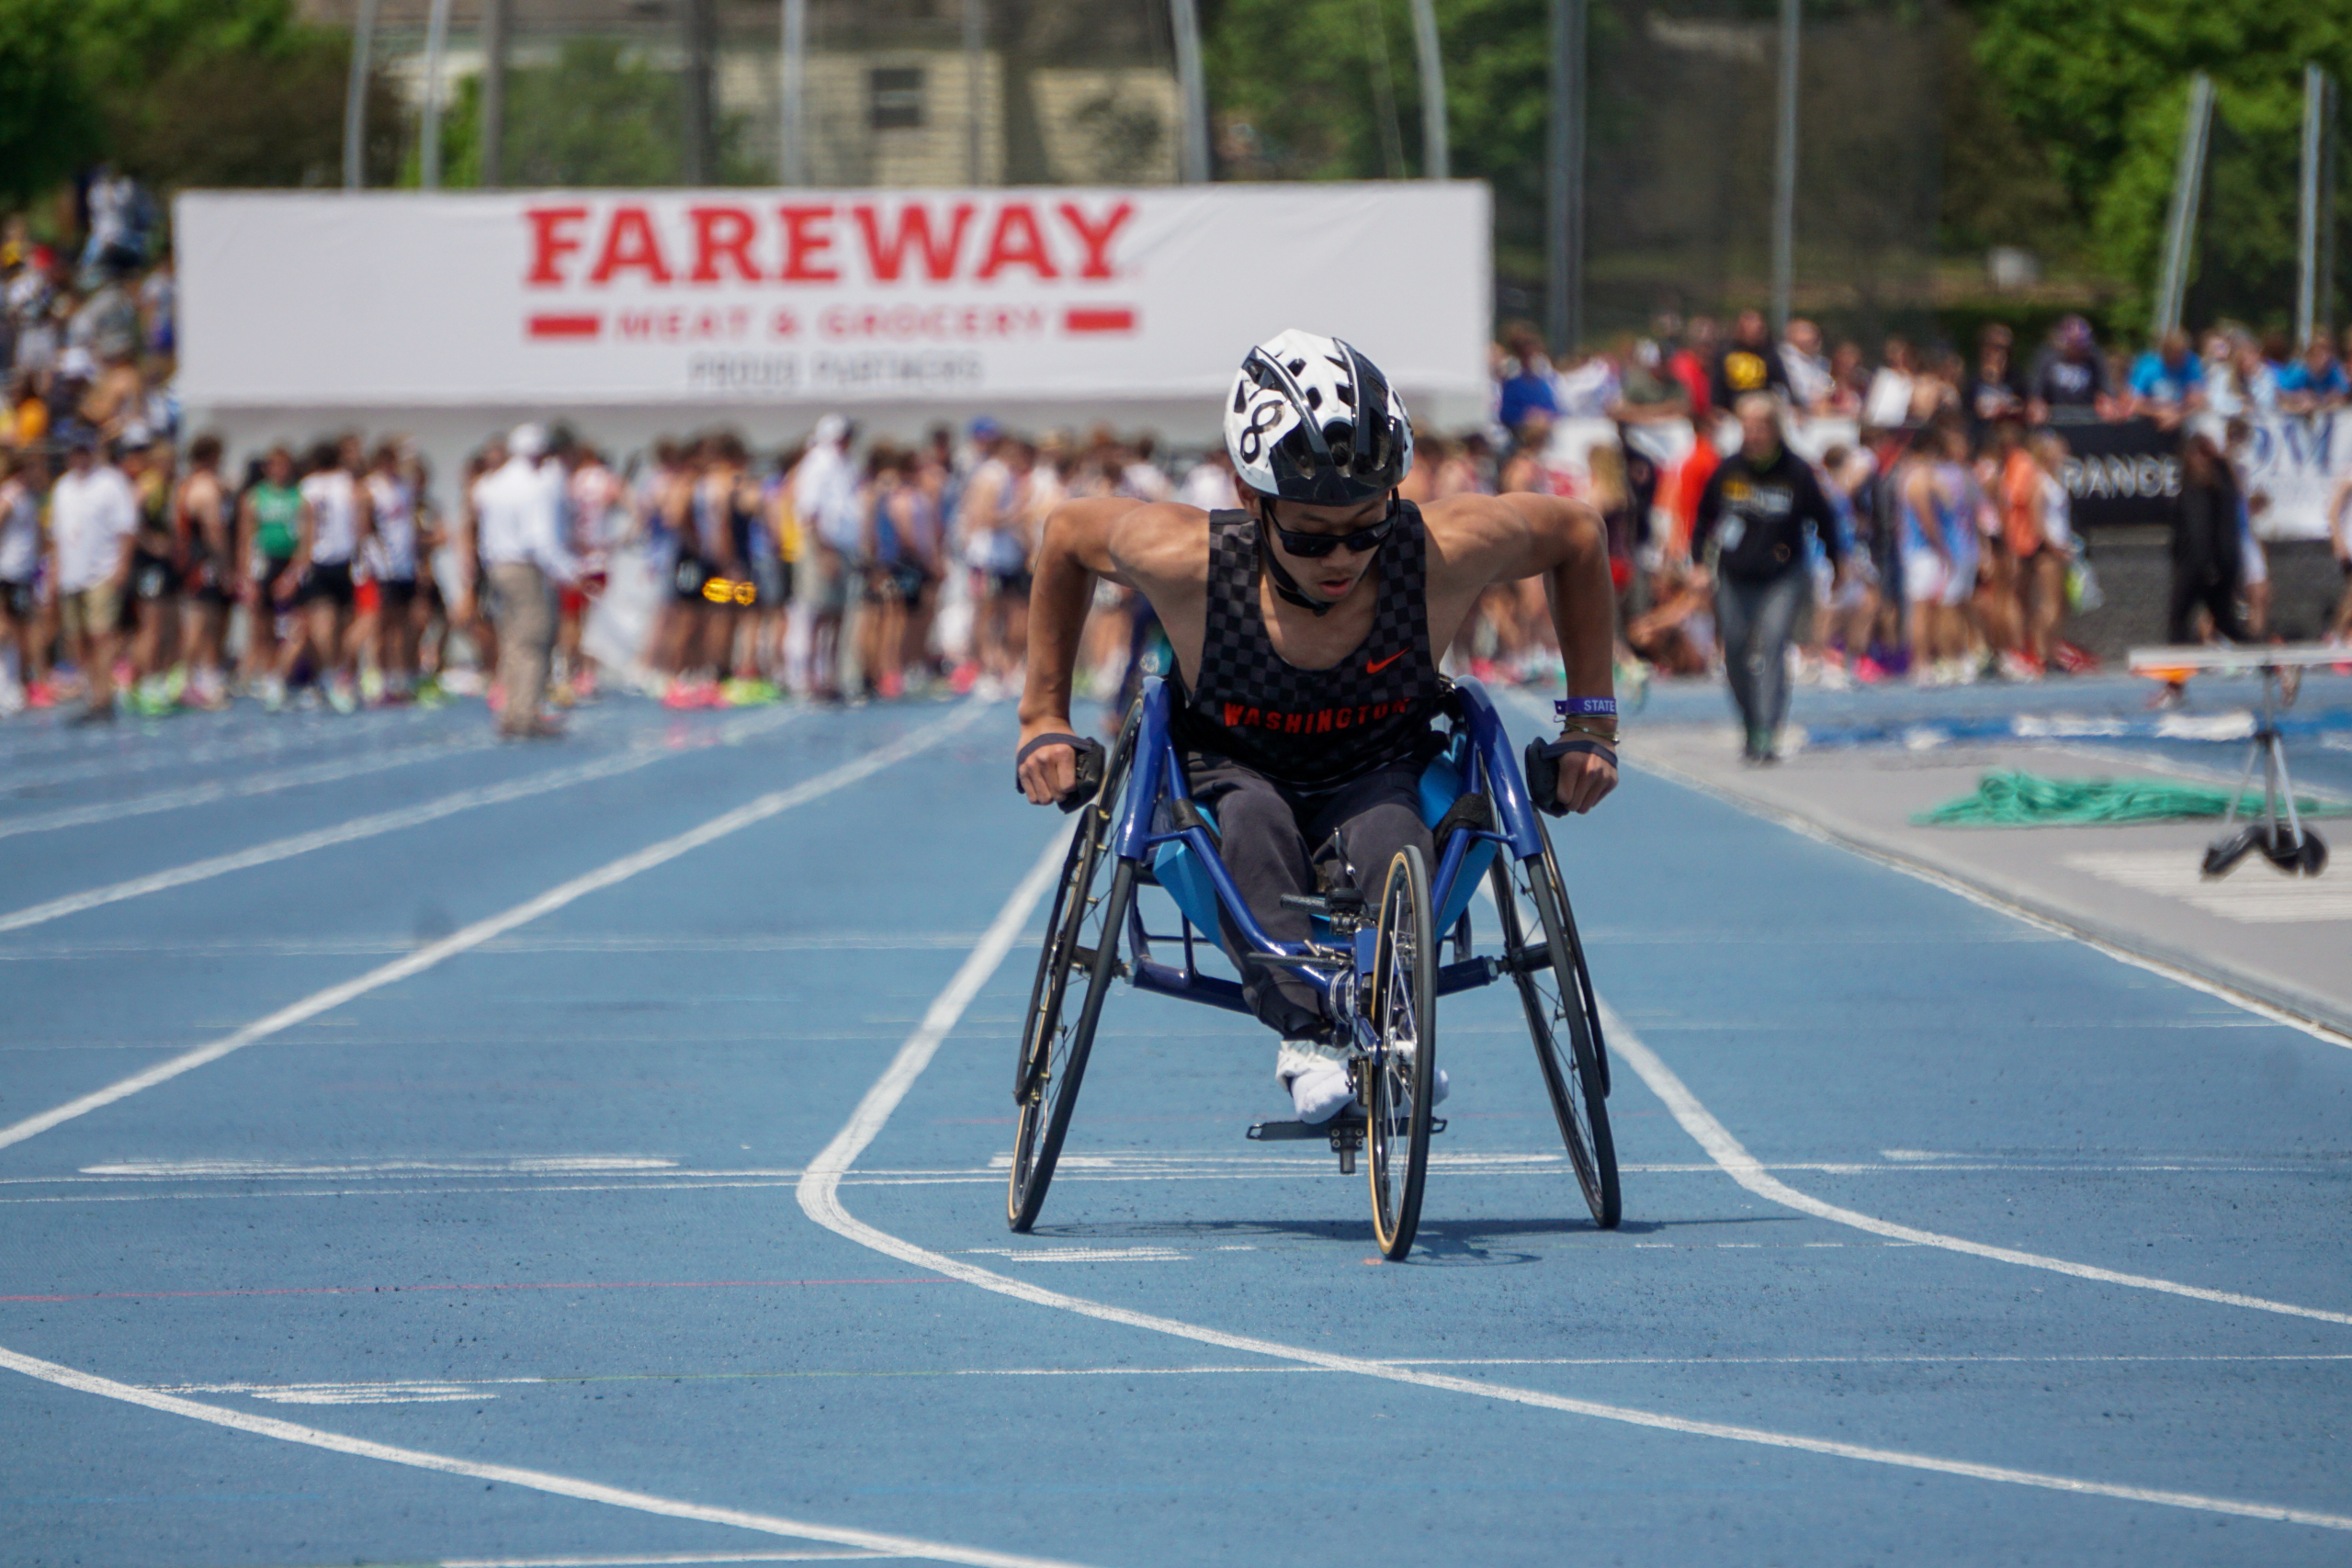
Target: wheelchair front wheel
(1082,944)
(1401,1079)
(1564,1019)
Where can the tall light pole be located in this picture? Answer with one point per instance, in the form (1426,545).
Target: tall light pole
(975,117)
(2187,188)
(436,41)
(792,144)
(354,99)
(1193,137)
(2318,215)
(1437,159)
(1564,205)
(1784,170)
(494,41)
(701,23)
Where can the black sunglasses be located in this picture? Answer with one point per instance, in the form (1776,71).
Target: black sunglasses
(1315,546)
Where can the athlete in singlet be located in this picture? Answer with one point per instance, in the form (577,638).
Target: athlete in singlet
(202,528)
(392,559)
(270,525)
(1306,627)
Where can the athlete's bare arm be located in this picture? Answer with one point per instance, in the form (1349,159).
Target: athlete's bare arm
(210,524)
(1159,548)
(1476,541)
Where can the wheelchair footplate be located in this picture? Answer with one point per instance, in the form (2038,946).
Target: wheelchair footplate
(1344,1131)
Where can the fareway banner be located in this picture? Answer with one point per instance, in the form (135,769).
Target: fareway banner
(819,296)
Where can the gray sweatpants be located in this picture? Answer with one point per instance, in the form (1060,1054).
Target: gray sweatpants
(525,637)
(1269,831)
(1755,620)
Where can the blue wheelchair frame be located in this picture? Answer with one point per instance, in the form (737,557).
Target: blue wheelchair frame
(1183,860)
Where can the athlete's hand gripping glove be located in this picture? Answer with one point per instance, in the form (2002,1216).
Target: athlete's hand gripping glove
(1544,767)
(1091,760)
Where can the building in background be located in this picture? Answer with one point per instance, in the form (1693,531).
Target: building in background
(1077,91)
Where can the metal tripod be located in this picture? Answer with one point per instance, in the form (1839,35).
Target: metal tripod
(2297,848)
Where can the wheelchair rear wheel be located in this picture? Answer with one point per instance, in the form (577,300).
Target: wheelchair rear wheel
(1082,943)
(1564,1019)
(1402,1077)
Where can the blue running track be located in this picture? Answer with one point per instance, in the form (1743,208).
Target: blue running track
(605,1165)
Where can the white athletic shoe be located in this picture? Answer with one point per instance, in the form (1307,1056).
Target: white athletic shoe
(1317,1076)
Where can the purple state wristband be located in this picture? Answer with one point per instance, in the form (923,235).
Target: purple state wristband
(1573,707)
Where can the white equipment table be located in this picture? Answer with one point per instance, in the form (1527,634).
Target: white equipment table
(2290,846)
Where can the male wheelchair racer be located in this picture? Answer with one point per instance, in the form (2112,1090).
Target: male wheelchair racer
(1378,966)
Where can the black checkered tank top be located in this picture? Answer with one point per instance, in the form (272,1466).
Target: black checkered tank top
(1312,728)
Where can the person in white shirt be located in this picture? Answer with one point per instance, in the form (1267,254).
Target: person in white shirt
(519,510)
(1811,386)
(334,523)
(391,560)
(824,495)
(93,522)
(1208,484)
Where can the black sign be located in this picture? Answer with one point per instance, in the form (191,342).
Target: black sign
(2120,473)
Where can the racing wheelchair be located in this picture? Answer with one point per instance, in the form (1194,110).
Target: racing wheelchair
(1379,966)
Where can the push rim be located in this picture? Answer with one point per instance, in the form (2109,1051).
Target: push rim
(1398,1076)
(1563,1022)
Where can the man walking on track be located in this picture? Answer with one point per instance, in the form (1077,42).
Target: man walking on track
(1754,511)
(519,506)
(1306,626)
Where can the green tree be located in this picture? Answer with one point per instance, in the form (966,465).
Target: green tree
(2100,86)
(178,93)
(599,115)
(1292,83)
(49,118)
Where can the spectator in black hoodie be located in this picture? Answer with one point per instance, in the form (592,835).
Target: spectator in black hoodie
(1754,512)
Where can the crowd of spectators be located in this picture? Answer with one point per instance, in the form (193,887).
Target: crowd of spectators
(139,570)
(1947,553)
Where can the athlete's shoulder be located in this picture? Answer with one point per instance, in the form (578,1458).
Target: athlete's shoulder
(1161,539)
(1463,523)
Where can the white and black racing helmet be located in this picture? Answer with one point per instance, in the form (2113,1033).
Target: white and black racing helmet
(1296,426)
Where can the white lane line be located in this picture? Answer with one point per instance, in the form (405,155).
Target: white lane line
(473,936)
(147,759)
(369,946)
(659,1560)
(820,1195)
(509,1475)
(389,1392)
(227,789)
(359,828)
(1731,1157)
(1983,898)
(1736,1162)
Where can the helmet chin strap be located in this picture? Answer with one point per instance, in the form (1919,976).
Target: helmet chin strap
(1285,585)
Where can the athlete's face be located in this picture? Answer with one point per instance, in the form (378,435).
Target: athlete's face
(1332,577)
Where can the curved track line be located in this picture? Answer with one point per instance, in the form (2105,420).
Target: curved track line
(820,1195)
(529,1480)
(1736,1162)
(482,930)
(1731,1156)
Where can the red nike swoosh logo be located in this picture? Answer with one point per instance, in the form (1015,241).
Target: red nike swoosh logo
(1375,665)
